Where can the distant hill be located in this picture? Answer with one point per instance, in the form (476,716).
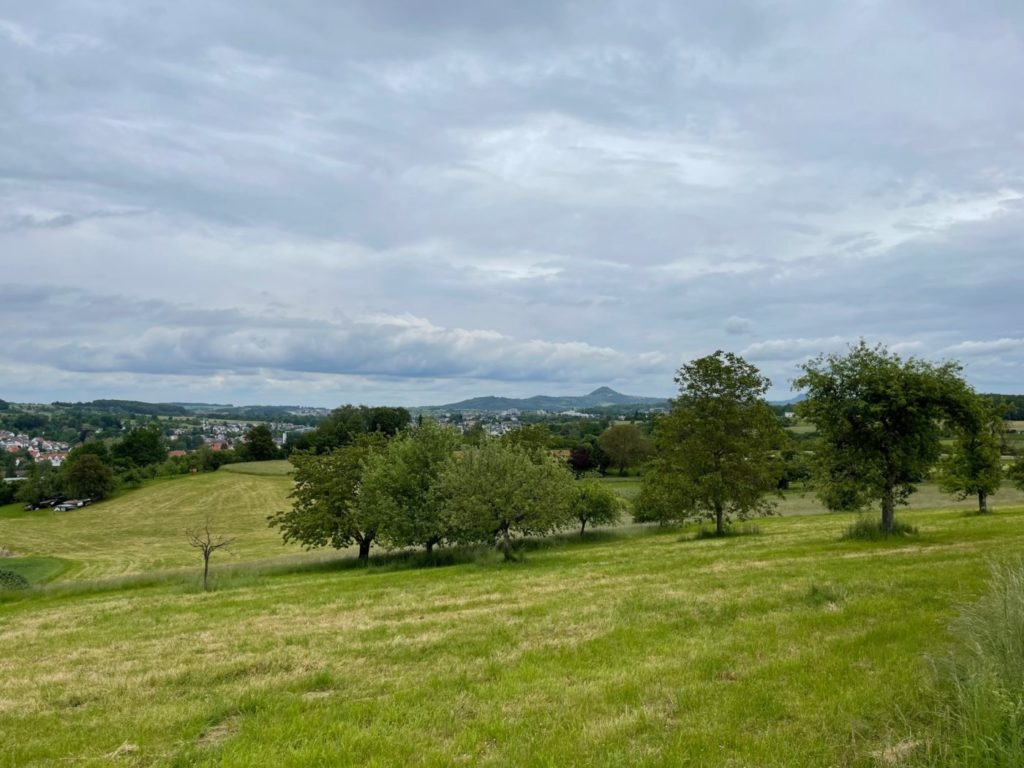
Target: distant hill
(601,397)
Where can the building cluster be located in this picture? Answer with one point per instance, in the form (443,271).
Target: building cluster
(39,448)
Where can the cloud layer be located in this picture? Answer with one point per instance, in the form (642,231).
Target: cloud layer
(400,202)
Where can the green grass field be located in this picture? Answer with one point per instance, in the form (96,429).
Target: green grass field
(640,646)
(144,530)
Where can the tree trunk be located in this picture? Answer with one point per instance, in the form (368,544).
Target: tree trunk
(583,525)
(364,550)
(430,547)
(719,520)
(506,545)
(888,509)
(982,502)
(206,571)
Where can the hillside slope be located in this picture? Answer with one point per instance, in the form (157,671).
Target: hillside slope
(144,530)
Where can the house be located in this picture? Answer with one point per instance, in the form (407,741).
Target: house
(176,454)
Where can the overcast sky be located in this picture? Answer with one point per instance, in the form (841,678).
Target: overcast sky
(412,202)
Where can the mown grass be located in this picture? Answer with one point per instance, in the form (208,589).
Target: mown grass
(144,530)
(788,648)
(279,468)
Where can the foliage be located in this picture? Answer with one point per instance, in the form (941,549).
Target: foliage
(878,419)
(259,445)
(594,503)
(532,437)
(346,424)
(974,465)
(140,448)
(581,460)
(87,477)
(493,491)
(397,486)
(324,511)
(1015,473)
(625,445)
(12,580)
(8,493)
(716,448)
(41,483)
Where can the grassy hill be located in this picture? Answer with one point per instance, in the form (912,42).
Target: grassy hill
(143,531)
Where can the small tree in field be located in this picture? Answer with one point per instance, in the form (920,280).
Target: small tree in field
(492,492)
(878,419)
(973,466)
(595,504)
(716,448)
(207,542)
(625,445)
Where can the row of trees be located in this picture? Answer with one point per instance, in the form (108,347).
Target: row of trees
(718,454)
(425,487)
(879,420)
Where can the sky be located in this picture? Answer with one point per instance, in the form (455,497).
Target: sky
(401,202)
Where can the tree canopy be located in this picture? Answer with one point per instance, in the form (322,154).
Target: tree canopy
(324,511)
(494,491)
(878,419)
(973,466)
(398,486)
(625,445)
(716,448)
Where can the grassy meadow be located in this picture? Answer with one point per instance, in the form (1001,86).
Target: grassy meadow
(635,646)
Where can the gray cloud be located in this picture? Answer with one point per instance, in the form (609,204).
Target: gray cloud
(230,191)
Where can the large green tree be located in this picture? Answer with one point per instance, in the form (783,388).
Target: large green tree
(259,444)
(973,466)
(324,508)
(878,420)
(87,477)
(494,491)
(398,482)
(716,449)
(625,445)
(140,448)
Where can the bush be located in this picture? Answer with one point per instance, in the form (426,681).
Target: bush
(868,529)
(12,580)
(979,711)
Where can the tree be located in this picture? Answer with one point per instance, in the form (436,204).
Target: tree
(878,421)
(492,492)
(398,482)
(1015,473)
(581,460)
(140,448)
(259,444)
(973,467)
(205,541)
(532,437)
(87,477)
(324,510)
(625,445)
(40,484)
(594,503)
(716,448)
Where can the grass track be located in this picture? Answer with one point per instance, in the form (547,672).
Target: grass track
(783,649)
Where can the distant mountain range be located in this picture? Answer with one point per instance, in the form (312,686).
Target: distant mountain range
(602,397)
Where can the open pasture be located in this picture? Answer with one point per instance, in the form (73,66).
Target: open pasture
(646,648)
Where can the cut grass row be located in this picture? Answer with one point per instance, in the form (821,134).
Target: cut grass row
(788,648)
